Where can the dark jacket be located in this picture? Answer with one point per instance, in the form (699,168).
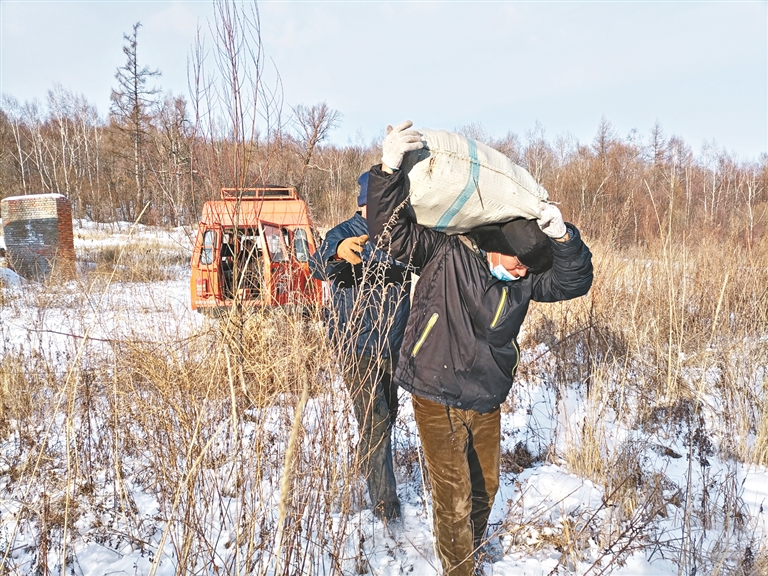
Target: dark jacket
(460,345)
(371,301)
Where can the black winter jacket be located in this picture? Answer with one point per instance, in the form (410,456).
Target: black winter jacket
(460,345)
(371,301)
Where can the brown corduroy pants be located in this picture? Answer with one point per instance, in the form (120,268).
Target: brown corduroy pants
(461,450)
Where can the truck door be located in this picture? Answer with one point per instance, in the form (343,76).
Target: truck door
(277,256)
(308,289)
(206,282)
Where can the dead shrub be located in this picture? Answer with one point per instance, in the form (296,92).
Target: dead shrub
(16,401)
(138,260)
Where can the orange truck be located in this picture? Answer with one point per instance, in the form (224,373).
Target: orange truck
(253,248)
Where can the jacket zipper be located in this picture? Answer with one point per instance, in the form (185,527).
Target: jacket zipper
(517,361)
(424,334)
(499,308)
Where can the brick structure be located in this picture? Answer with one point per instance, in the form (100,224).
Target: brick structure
(38,235)
(3,261)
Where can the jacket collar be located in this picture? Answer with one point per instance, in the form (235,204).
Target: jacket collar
(471,244)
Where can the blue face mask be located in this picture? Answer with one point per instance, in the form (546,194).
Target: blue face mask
(502,274)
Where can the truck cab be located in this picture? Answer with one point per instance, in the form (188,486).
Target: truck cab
(252,249)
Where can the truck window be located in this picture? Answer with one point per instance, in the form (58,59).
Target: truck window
(228,250)
(286,237)
(300,245)
(277,249)
(206,252)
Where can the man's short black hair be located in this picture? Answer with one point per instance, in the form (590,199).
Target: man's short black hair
(519,237)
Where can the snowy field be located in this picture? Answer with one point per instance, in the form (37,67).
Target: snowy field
(697,510)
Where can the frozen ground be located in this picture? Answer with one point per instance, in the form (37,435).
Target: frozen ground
(550,520)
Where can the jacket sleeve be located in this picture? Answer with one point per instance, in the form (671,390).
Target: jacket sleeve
(322,263)
(389,225)
(571,272)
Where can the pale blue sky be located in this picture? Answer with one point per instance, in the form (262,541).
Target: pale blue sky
(698,68)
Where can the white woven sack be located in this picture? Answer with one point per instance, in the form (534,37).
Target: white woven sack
(457,184)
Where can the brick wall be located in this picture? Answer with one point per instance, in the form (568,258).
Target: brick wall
(3,261)
(38,234)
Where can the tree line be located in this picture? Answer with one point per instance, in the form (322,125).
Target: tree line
(157,157)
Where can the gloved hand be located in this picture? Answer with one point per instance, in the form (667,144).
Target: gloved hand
(350,249)
(551,222)
(398,141)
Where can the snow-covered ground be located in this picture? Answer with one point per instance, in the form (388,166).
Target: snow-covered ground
(548,519)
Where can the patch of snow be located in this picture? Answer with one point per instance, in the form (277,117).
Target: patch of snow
(47,195)
(9,278)
(531,508)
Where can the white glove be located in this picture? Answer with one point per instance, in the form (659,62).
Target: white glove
(398,141)
(551,221)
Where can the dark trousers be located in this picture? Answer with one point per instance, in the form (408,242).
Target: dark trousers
(374,400)
(461,450)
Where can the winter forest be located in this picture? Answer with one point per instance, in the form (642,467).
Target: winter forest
(138,437)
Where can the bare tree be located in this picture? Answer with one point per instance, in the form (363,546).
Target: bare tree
(233,105)
(537,157)
(313,123)
(476,131)
(172,155)
(40,145)
(510,146)
(132,101)
(14,115)
(657,146)
(604,140)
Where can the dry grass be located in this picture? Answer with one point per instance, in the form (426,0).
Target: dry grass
(240,435)
(203,426)
(136,261)
(668,351)
(235,431)
(668,331)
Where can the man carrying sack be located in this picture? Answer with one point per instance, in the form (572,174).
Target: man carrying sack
(459,353)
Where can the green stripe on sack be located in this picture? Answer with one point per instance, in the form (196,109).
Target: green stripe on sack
(471,186)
